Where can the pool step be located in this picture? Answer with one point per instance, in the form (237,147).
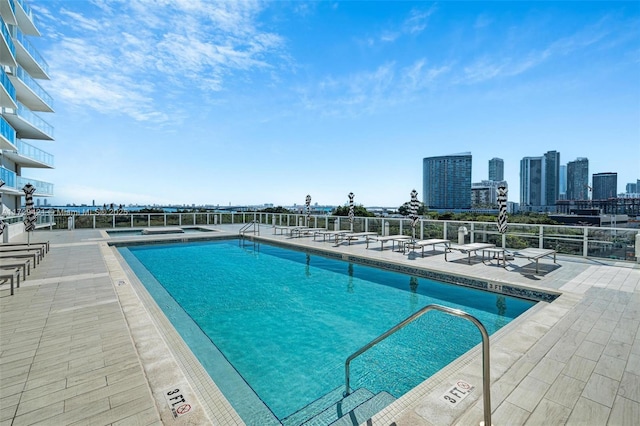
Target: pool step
(365,411)
(333,409)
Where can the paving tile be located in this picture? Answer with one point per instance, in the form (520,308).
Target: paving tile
(610,367)
(624,412)
(579,368)
(617,349)
(508,413)
(528,393)
(547,370)
(549,413)
(587,412)
(601,389)
(565,391)
(630,387)
(633,364)
(590,350)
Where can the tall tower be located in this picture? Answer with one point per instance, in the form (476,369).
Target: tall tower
(531,183)
(563,182)
(496,169)
(605,186)
(551,178)
(447,181)
(578,179)
(22,102)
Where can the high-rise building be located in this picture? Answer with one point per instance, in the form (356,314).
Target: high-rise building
(496,169)
(484,195)
(551,183)
(531,179)
(540,182)
(562,188)
(22,100)
(578,179)
(632,188)
(605,186)
(447,181)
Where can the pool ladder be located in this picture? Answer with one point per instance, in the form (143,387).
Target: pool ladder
(486,379)
(246,228)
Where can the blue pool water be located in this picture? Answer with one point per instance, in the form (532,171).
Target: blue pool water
(287,320)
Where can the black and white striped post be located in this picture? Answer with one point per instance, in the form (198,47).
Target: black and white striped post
(2,224)
(308,203)
(351,211)
(413,212)
(502,213)
(30,213)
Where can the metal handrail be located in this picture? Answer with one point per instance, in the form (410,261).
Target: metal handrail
(249,225)
(486,371)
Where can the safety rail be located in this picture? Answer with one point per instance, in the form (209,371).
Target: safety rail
(486,371)
(256,228)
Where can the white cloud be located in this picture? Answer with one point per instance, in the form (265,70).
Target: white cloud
(124,56)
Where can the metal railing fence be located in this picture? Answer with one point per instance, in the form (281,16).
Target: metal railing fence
(597,242)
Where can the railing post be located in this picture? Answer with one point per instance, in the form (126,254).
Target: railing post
(585,242)
(541,237)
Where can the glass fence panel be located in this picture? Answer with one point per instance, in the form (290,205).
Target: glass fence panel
(611,243)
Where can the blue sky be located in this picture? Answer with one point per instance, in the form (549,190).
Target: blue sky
(186,101)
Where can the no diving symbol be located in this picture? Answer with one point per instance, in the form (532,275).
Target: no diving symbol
(463,385)
(183,409)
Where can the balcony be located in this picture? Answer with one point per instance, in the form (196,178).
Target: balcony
(28,56)
(9,179)
(8,12)
(7,91)
(7,135)
(24,18)
(29,156)
(29,92)
(43,189)
(7,48)
(27,124)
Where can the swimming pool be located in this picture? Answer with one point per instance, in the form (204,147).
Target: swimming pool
(286,320)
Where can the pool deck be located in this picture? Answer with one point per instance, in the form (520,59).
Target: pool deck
(81,342)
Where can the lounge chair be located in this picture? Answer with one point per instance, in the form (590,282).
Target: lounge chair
(331,234)
(353,236)
(533,254)
(34,256)
(425,243)
(44,244)
(304,232)
(467,249)
(24,248)
(286,229)
(386,238)
(25,265)
(9,275)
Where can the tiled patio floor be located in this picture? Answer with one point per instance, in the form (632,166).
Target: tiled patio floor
(82,343)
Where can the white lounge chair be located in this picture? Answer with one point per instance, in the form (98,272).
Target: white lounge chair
(387,238)
(533,254)
(425,243)
(353,236)
(467,249)
(331,234)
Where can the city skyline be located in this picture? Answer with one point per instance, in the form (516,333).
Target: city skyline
(266,102)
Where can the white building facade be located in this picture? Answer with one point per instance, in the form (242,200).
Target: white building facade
(23,103)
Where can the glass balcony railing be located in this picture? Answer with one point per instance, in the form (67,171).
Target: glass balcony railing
(42,188)
(7,36)
(31,83)
(27,115)
(25,7)
(8,177)
(6,83)
(30,151)
(22,39)
(7,131)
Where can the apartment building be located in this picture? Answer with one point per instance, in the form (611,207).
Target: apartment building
(23,104)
